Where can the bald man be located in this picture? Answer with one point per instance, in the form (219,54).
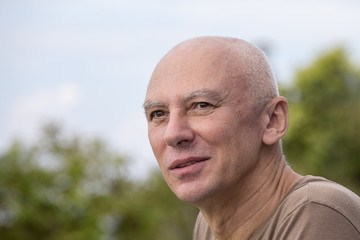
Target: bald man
(215,123)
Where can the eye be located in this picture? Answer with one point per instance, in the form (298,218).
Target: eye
(156,114)
(201,108)
(203,105)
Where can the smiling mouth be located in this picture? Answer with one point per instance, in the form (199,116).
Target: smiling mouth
(187,164)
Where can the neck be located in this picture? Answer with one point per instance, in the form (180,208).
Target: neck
(239,215)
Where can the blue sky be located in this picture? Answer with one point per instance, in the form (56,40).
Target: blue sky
(86,63)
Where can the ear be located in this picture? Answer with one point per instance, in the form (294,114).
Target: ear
(277,120)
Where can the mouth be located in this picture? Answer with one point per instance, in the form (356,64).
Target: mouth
(186,162)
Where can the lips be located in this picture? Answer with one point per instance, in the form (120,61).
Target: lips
(187,164)
(181,163)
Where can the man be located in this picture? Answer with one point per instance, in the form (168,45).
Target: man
(215,123)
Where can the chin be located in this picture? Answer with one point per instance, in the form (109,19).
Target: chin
(191,194)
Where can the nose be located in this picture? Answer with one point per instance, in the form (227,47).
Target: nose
(178,132)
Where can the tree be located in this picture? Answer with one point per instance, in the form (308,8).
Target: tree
(75,188)
(324,137)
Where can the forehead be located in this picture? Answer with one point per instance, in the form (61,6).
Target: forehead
(189,70)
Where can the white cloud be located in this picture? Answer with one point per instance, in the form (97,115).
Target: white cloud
(29,112)
(67,96)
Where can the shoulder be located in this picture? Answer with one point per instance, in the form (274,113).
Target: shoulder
(316,208)
(322,192)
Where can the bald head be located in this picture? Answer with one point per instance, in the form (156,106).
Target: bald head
(207,124)
(239,59)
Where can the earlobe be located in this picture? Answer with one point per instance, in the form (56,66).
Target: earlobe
(277,115)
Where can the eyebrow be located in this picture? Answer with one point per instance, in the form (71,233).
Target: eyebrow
(149,104)
(205,93)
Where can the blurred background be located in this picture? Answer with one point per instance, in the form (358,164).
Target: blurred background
(75,162)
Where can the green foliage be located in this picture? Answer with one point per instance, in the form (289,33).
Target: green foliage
(72,188)
(163,215)
(324,136)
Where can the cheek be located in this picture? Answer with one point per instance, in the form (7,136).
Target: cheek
(216,131)
(230,138)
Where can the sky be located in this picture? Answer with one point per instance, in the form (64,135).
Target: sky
(85,64)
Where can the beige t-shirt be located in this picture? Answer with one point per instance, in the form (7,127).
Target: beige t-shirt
(314,208)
